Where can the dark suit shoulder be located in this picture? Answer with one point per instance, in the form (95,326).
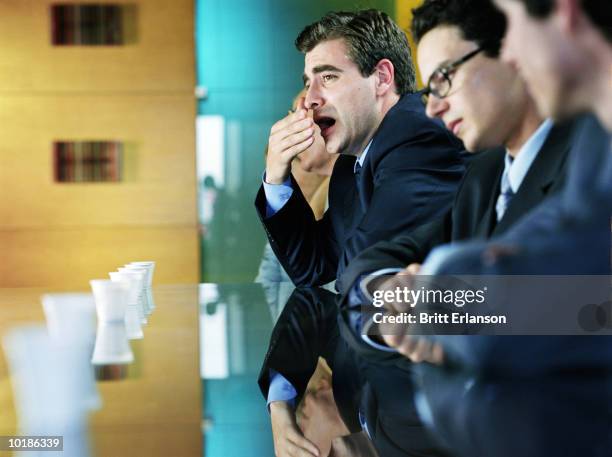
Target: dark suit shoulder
(407,124)
(479,182)
(487,161)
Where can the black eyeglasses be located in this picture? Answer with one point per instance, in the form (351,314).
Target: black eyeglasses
(439,83)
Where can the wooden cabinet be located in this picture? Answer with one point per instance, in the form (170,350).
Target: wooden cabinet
(139,93)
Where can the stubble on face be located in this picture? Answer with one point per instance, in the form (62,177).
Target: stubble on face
(344,98)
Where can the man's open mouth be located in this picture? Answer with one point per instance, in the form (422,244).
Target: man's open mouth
(325,124)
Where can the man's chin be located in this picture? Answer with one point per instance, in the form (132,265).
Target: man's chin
(331,146)
(471,143)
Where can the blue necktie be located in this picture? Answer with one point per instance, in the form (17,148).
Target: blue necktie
(358,184)
(505,195)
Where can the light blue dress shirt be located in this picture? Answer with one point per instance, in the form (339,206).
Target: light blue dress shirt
(518,167)
(279,194)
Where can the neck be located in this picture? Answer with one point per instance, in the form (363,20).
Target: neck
(597,81)
(602,93)
(524,130)
(386,103)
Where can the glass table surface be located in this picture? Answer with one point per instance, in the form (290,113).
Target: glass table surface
(191,389)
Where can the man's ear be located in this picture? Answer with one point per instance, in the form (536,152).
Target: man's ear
(385,77)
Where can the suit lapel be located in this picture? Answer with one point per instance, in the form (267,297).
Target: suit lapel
(345,179)
(489,218)
(544,172)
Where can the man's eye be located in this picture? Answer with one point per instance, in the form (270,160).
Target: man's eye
(328,78)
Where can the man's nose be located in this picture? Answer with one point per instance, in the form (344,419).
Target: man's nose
(436,106)
(313,97)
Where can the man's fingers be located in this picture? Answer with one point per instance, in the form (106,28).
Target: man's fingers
(292,118)
(496,252)
(407,346)
(417,349)
(437,354)
(390,339)
(422,351)
(400,281)
(413,268)
(293,151)
(287,120)
(305,446)
(294,139)
(290,130)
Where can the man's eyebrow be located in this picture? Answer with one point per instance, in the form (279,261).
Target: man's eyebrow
(439,67)
(321,69)
(444,64)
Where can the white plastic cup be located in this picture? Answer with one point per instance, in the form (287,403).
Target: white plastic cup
(70,316)
(71,323)
(141,274)
(112,345)
(149,265)
(134,314)
(47,383)
(111,299)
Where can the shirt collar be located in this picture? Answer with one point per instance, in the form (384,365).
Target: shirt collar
(362,157)
(517,169)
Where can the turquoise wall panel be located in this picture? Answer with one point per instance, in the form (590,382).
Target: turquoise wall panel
(247,61)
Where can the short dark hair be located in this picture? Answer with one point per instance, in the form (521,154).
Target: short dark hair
(598,12)
(478,21)
(370,36)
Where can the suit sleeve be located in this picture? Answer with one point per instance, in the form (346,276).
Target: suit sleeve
(305,247)
(399,252)
(304,331)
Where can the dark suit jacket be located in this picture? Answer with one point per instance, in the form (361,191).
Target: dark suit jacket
(473,213)
(409,177)
(552,391)
(569,233)
(566,414)
(383,393)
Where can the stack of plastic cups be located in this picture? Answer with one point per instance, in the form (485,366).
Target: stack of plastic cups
(148,265)
(71,323)
(141,275)
(134,314)
(112,345)
(48,389)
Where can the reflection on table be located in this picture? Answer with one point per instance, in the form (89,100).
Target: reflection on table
(147,407)
(235,326)
(167,401)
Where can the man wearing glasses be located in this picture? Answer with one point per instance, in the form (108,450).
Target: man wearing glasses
(484,102)
(546,395)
